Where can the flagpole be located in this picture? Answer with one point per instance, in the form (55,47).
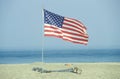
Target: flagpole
(42,11)
(42,35)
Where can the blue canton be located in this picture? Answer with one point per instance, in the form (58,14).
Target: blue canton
(53,19)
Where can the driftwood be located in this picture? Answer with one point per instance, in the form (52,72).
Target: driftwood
(73,70)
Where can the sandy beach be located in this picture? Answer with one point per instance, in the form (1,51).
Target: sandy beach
(89,71)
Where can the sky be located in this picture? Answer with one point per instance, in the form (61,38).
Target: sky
(21,23)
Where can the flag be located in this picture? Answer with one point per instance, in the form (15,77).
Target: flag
(68,29)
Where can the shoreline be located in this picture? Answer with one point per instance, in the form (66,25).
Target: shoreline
(62,63)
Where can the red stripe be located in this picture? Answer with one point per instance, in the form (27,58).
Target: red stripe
(50,27)
(72,26)
(53,31)
(82,35)
(79,22)
(67,36)
(71,29)
(53,35)
(79,39)
(65,39)
(74,38)
(79,35)
(75,34)
(74,23)
(56,31)
(75,42)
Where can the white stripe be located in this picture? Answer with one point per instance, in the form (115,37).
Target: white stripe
(48,28)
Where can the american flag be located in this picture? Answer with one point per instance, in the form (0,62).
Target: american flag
(68,29)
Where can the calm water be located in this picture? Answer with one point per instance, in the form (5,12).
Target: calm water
(7,57)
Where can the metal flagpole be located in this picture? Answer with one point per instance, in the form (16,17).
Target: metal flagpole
(42,11)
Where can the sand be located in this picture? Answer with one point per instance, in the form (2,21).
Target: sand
(89,71)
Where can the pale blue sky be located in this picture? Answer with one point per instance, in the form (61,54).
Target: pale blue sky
(21,23)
